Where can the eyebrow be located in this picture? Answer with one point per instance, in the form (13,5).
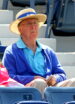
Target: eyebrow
(28,21)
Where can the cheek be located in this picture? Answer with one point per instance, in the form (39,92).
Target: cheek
(21,29)
(37,27)
(34,27)
(25,30)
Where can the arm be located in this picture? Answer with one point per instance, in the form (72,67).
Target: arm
(58,73)
(10,63)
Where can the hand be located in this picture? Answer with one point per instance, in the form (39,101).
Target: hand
(39,77)
(51,81)
(33,82)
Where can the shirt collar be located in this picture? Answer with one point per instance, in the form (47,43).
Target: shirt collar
(39,48)
(21,44)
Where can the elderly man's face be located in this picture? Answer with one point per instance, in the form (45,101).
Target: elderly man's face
(29,29)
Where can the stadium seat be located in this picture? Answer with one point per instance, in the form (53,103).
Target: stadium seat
(61,19)
(23,3)
(50,12)
(5,4)
(59,95)
(71,102)
(51,42)
(12,95)
(1,2)
(6,17)
(32,102)
(30,3)
(2,49)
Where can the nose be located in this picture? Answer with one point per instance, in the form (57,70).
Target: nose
(33,26)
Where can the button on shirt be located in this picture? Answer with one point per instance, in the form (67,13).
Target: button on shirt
(35,60)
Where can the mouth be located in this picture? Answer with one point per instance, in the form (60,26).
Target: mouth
(33,31)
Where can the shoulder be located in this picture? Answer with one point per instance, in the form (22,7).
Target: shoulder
(11,48)
(48,51)
(47,48)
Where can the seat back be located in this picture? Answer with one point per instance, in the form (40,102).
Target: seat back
(32,102)
(50,13)
(5,4)
(71,102)
(6,17)
(67,16)
(11,95)
(2,49)
(62,17)
(27,2)
(59,95)
(23,3)
(65,25)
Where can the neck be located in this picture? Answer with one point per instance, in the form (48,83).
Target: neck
(31,44)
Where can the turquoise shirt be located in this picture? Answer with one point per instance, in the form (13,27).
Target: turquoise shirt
(35,60)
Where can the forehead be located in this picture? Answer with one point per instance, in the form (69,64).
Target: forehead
(29,20)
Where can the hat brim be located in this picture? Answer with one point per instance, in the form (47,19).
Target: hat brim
(14,25)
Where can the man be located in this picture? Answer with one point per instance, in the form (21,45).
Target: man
(28,61)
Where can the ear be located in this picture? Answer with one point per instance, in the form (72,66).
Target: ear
(19,28)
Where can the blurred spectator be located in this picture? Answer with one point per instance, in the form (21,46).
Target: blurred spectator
(5,80)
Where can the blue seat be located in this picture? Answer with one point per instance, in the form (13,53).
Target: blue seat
(27,2)
(5,4)
(2,49)
(61,18)
(12,95)
(59,95)
(71,102)
(32,102)
(50,12)
(23,3)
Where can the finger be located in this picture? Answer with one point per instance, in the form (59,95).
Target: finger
(50,78)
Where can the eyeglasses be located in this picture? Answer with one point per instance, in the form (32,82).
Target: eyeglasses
(29,22)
